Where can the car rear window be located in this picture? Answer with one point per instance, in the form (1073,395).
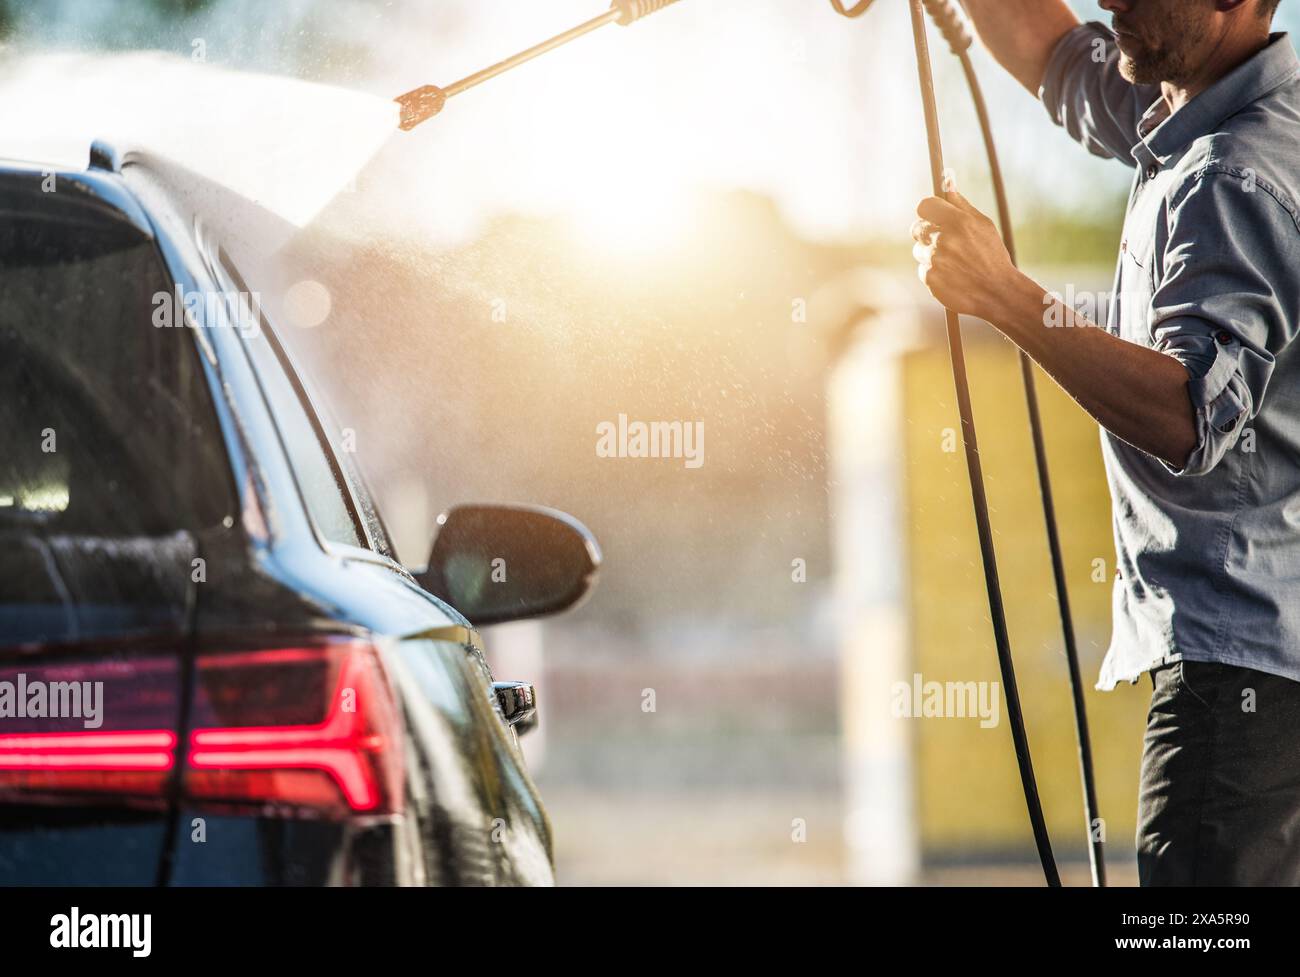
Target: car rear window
(106,423)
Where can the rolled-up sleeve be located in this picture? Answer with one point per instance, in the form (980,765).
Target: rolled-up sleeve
(1085,93)
(1226,304)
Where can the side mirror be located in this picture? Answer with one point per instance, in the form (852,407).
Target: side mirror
(497,563)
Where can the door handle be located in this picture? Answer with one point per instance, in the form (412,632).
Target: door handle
(518,704)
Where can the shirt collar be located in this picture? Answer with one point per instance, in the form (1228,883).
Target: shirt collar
(1163,134)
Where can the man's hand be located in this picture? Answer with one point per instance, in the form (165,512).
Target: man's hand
(961,258)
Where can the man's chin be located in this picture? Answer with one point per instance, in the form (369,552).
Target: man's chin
(1137,73)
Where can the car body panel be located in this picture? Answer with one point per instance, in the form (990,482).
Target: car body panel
(472,814)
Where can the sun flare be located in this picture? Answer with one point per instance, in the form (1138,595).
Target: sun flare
(647,221)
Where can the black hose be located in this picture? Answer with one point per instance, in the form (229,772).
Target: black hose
(954,30)
(857,11)
(1096,853)
(976,475)
(953,26)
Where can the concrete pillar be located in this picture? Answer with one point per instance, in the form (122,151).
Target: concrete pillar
(866,431)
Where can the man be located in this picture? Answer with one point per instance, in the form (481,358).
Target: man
(1196,384)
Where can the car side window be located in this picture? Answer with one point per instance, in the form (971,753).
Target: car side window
(314,467)
(319,481)
(365,503)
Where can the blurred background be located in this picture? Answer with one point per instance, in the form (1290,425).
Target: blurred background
(703,219)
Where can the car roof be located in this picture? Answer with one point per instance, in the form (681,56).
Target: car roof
(98,190)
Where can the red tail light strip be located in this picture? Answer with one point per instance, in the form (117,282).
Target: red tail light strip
(340,746)
(348,762)
(145,750)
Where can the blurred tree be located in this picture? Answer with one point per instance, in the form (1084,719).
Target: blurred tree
(1052,236)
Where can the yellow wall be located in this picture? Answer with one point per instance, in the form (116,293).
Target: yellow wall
(969,792)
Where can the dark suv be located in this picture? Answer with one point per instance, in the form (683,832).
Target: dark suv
(212,668)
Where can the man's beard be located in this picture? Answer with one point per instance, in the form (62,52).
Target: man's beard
(1153,63)
(1150,67)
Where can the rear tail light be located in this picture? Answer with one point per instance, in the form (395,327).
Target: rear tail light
(102,730)
(305,727)
(310,730)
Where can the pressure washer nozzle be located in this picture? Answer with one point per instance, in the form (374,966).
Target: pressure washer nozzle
(420,105)
(631,11)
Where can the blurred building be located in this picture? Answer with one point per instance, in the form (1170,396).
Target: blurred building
(938,797)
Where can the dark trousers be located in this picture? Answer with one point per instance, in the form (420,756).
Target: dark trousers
(1219,802)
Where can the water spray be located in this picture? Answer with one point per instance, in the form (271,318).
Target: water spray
(424,103)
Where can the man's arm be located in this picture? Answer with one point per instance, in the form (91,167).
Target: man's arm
(1221,314)
(1021,34)
(1138,394)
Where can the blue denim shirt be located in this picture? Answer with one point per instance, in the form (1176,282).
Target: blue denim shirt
(1208,556)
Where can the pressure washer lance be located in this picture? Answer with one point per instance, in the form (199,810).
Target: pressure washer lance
(427,101)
